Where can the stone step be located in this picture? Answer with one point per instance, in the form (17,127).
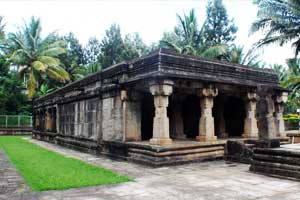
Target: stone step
(277,159)
(174,156)
(277,165)
(158,161)
(276,162)
(277,172)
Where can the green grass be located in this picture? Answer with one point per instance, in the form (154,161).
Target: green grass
(46,170)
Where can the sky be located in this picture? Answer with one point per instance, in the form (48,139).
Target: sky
(150,18)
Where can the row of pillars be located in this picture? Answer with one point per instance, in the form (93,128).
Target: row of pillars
(161,134)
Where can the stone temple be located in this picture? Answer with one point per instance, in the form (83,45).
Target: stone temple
(163,108)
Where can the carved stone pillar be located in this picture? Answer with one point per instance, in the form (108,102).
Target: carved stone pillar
(271,133)
(250,126)
(279,123)
(161,92)
(131,103)
(207,127)
(176,121)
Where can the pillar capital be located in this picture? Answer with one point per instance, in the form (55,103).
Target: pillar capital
(251,96)
(281,97)
(250,124)
(209,92)
(161,88)
(206,126)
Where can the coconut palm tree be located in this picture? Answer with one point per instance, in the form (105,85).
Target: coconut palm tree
(292,77)
(37,57)
(187,38)
(280,22)
(237,55)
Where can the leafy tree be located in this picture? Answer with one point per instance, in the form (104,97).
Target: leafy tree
(218,28)
(133,47)
(73,59)
(279,20)
(115,49)
(92,51)
(37,57)
(112,47)
(12,100)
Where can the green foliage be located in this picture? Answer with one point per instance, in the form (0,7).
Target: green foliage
(73,59)
(12,100)
(36,57)
(237,55)
(115,49)
(92,51)
(46,170)
(112,47)
(134,47)
(292,118)
(279,20)
(186,38)
(211,40)
(218,29)
(2,26)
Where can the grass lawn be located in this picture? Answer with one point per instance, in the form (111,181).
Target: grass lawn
(46,170)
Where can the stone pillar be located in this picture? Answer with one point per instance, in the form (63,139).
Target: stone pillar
(279,123)
(161,91)
(271,131)
(37,120)
(176,121)
(131,103)
(57,119)
(48,120)
(250,126)
(207,126)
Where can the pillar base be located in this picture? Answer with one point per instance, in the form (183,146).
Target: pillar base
(249,136)
(161,141)
(202,138)
(179,136)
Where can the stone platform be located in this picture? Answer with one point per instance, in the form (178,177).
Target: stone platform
(179,152)
(279,162)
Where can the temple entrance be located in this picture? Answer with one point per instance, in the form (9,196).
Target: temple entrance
(191,116)
(234,114)
(148,112)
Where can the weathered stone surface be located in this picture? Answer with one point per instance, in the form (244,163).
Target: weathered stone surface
(250,127)
(239,151)
(12,185)
(112,121)
(131,102)
(282,162)
(206,126)
(161,131)
(105,107)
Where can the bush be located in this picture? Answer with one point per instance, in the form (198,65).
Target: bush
(292,118)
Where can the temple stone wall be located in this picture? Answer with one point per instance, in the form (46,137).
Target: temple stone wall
(112,119)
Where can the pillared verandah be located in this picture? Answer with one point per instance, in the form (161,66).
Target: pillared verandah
(163,106)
